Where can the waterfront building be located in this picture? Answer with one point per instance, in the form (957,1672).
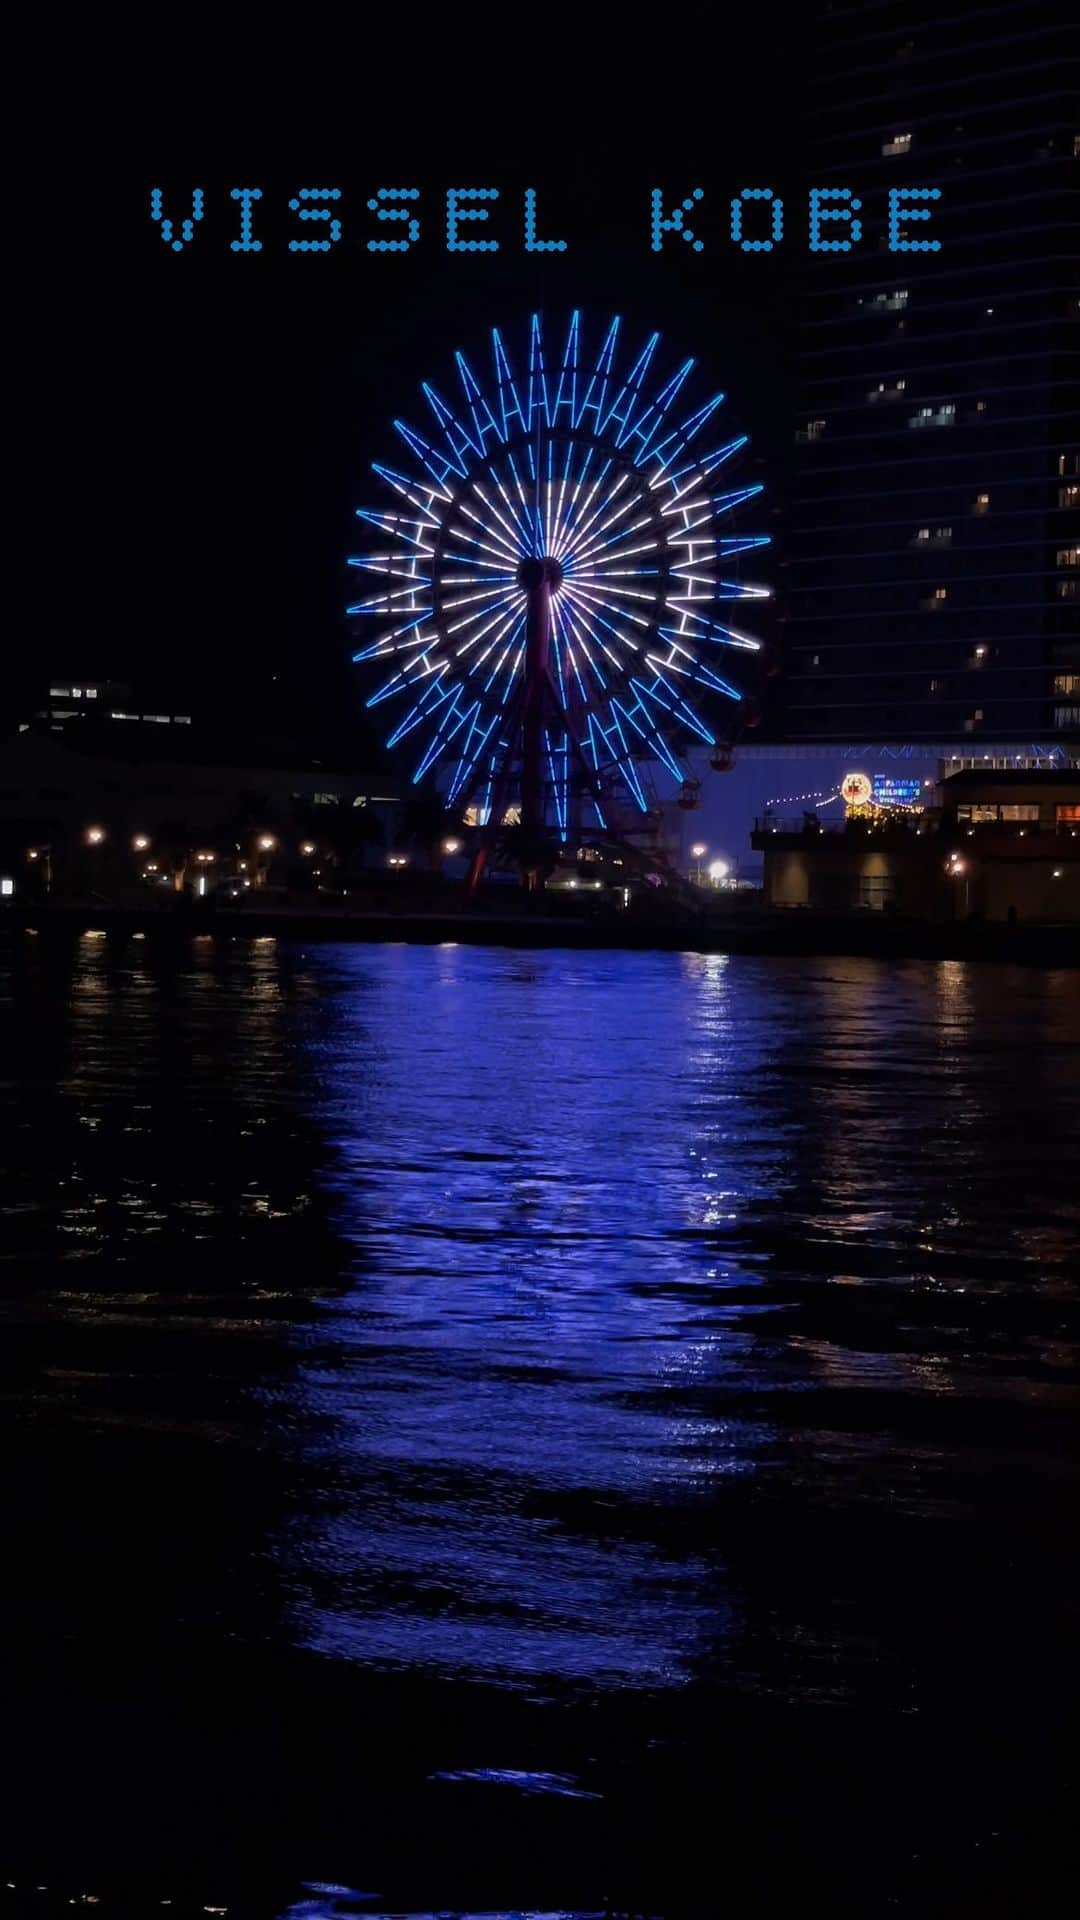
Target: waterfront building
(1002,844)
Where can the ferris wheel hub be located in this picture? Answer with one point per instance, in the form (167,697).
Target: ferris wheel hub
(531,573)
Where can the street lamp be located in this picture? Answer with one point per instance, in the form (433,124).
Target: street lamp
(718,871)
(451,846)
(94,836)
(266,842)
(307,847)
(140,842)
(957,869)
(697,855)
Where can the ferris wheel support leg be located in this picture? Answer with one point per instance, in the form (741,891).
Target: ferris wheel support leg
(537,580)
(476,870)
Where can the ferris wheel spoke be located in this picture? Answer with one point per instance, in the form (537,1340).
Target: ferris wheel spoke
(596,391)
(509,404)
(423,668)
(625,400)
(432,698)
(439,465)
(458,438)
(672,702)
(566,391)
(639,719)
(677,441)
(398,524)
(538,393)
(712,630)
(679,660)
(483,419)
(648,426)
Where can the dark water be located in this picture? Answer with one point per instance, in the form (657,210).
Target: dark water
(648,1377)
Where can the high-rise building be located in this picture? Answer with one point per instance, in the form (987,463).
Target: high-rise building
(930,586)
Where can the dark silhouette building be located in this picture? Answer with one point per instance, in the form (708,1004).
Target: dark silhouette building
(930,586)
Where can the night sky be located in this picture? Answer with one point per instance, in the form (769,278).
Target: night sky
(202,424)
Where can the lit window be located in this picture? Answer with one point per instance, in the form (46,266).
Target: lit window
(1068,463)
(942,416)
(91,693)
(7,887)
(940,594)
(981,406)
(813,430)
(1024,810)
(60,693)
(1069,496)
(900,143)
(982,502)
(1068,556)
(1066,589)
(1067,716)
(325,799)
(1067,683)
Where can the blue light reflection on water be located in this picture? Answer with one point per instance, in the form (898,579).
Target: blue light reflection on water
(596,1203)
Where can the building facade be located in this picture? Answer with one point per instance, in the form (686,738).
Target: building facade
(930,579)
(998,845)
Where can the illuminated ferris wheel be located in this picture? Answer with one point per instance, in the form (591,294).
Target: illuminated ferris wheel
(558,568)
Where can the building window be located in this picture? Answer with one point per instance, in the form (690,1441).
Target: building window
(1067,716)
(325,799)
(1066,589)
(1021,810)
(981,405)
(1068,813)
(942,416)
(882,392)
(978,815)
(933,537)
(1069,496)
(893,302)
(937,686)
(1068,556)
(1068,463)
(876,890)
(813,430)
(900,143)
(1067,683)
(982,503)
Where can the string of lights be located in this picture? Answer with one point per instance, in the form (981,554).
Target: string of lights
(823,798)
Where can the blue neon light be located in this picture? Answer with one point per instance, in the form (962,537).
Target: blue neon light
(596,469)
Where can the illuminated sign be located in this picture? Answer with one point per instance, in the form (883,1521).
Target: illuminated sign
(856,789)
(891,790)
